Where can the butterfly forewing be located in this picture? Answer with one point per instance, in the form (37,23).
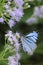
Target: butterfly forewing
(32,34)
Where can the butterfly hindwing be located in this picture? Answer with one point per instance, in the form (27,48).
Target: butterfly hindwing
(32,44)
(26,47)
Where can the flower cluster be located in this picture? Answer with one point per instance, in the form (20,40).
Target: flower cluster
(13,10)
(13,60)
(38,13)
(13,40)
(12,37)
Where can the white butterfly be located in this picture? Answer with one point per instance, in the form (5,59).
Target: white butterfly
(28,42)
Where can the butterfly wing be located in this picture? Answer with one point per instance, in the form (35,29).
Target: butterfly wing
(26,47)
(29,41)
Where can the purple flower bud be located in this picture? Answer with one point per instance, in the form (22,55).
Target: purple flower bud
(17,14)
(41,9)
(6,6)
(11,23)
(1,20)
(36,12)
(19,2)
(31,20)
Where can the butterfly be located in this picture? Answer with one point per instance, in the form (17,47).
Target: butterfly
(29,42)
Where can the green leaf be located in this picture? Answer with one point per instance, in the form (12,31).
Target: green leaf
(27,13)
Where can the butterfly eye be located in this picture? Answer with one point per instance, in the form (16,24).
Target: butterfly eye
(29,42)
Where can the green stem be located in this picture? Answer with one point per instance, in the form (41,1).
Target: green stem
(4,52)
(26,0)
